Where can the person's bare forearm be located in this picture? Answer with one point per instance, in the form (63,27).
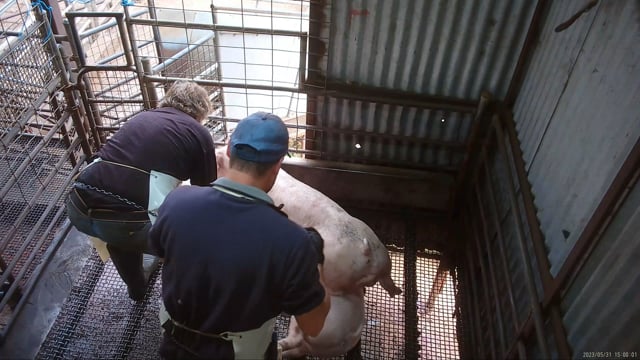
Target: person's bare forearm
(312,322)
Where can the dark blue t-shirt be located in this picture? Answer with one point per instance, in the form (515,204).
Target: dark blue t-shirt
(163,139)
(230,263)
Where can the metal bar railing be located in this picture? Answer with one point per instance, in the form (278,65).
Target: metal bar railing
(15,130)
(473,226)
(493,206)
(192,46)
(91,113)
(217,27)
(491,270)
(131,48)
(216,49)
(10,234)
(537,238)
(36,227)
(24,165)
(477,321)
(536,308)
(472,342)
(410,291)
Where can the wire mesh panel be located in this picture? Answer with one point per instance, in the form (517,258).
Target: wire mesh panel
(98,320)
(249,55)
(436,311)
(37,153)
(383,335)
(112,97)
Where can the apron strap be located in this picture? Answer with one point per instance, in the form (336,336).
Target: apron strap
(247,345)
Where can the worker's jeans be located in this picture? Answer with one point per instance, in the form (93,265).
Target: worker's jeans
(126,239)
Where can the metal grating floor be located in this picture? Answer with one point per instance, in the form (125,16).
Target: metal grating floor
(98,320)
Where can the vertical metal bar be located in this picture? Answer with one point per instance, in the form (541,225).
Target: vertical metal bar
(485,284)
(131,50)
(503,254)
(56,23)
(64,81)
(92,112)
(75,41)
(564,350)
(78,124)
(154,28)
(85,89)
(59,114)
(151,90)
(492,273)
(468,322)
(410,291)
(529,206)
(529,277)
(302,68)
(317,47)
(477,128)
(474,294)
(216,49)
(316,50)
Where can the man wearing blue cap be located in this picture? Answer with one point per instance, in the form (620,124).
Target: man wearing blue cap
(232,260)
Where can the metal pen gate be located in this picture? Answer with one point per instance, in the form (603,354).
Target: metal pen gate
(40,153)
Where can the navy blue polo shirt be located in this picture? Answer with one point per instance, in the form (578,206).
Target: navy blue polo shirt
(231,263)
(163,139)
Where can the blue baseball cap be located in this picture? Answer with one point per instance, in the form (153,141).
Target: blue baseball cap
(260,137)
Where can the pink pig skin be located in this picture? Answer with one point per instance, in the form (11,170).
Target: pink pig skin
(354,258)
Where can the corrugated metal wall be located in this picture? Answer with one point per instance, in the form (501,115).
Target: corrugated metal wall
(430,50)
(385,134)
(601,307)
(502,274)
(447,48)
(577,114)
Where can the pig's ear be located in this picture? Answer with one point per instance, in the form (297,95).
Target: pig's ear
(367,247)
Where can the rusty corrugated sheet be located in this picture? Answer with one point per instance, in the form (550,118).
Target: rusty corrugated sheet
(578,115)
(446,48)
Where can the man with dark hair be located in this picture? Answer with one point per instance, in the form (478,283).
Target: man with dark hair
(232,260)
(116,196)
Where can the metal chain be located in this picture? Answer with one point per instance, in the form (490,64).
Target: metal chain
(108,193)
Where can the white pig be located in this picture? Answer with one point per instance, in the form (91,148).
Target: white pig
(354,257)
(340,333)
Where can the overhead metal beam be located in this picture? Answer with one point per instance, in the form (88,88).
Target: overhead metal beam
(388,96)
